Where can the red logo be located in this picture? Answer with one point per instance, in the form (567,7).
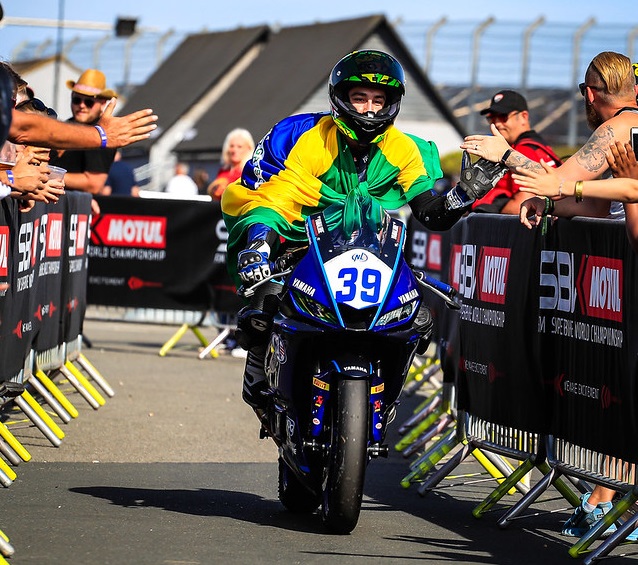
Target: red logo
(494,266)
(434,252)
(600,281)
(4,251)
(456,253)
(118,230)
(54,235)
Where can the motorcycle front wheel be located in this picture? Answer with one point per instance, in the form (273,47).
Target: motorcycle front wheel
(343,487)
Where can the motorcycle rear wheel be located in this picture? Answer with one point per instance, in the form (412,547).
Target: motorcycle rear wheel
(343,488)
(293,495)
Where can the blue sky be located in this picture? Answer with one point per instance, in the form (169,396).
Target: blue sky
(195,15)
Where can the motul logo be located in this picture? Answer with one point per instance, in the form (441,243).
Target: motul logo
(54,233)
(131,231)
(601,281)
(4,251)
(494,264)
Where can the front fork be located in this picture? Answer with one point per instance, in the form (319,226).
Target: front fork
(321,384)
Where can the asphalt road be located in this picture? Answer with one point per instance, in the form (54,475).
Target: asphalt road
(171,471)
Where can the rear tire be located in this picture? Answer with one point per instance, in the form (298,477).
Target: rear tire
(293,495)
(343,488)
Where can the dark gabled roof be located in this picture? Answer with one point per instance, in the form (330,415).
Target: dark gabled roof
(295,62)
(292,65)
(190,71)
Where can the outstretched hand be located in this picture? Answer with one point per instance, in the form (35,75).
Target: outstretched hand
(545,183)
(125,130)
(622,160)
(490,147)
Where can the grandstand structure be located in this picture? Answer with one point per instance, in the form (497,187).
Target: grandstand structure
(467,61)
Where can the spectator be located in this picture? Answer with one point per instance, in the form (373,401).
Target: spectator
(237,149)
(609,93)
(509,113)
(181,184)
(202,179)
(87,170)
(121,179)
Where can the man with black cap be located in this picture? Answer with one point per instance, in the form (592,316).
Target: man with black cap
(509,113)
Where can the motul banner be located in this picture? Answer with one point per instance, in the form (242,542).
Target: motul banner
(587,321)
(548,327)
(499,364)
(159,253)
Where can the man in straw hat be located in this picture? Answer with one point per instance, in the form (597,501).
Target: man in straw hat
(87,170)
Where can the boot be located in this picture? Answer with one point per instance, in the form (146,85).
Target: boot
(255,383)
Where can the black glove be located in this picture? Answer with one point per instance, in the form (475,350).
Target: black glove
(477,179)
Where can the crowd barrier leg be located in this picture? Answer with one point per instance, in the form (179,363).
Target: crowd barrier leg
(40,418)
(95,375)
(9,453)
(14,443)
(179,334)
(421,466)
(85,383)
(79,386)
(422,374)
(211,347)
(434,430)
(436,411)
(7,474)
(6,549)
(50,399)
(56,393)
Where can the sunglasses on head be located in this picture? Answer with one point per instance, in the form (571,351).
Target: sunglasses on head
(38,105)
(88,102)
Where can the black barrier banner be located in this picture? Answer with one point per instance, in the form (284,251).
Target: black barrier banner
(153,253)
(587,324)
(32,248)
(500,364)
(75,268)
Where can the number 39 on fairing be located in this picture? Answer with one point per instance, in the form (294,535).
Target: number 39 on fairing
(358,278)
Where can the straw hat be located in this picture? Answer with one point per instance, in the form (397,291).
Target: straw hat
(91,83)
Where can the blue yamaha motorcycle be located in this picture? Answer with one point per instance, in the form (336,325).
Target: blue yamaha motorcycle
(348,320)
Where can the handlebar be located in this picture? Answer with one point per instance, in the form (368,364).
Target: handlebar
(441,289)
(248,291)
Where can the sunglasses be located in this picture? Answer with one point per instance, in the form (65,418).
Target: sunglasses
(582,86)
(88,102)
(38,105)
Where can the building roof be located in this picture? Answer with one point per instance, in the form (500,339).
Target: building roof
(293,64)
(199,63)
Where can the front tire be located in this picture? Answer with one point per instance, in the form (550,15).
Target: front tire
(343,488)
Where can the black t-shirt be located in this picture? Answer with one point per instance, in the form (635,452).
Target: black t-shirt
(88,160)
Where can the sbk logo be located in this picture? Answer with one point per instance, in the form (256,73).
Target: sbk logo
(426,250)
(483,274)
(129,231)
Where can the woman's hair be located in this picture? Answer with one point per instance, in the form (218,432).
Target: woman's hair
(244,134)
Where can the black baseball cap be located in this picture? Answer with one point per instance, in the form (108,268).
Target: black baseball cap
(504,102)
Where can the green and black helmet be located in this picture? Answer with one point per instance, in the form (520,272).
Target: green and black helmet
(374,69)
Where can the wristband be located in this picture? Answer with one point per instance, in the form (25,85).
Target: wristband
(549,207)
(10,176)
(102,133)
(506,155)
(578,191)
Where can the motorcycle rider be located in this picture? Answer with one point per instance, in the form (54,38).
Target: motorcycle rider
(310,161)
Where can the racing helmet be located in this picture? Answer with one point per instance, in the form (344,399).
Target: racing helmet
(6,103)
(374,69)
